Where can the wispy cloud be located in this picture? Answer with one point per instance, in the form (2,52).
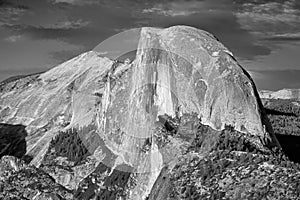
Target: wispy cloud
(77,2)
(176,8)
(285,37)
(171,13)
(12,3)
(65,25)
(274,20)
(10,11)
(58,30)
(13,38)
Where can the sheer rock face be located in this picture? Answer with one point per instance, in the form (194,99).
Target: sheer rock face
(197,73)
(177,70)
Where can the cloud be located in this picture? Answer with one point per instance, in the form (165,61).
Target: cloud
(12,4)
(59,30)
(61,25)
(77,2)
(11,11)
(67,25)
(285,37)
(268,19)
(79,25)
(172,13)
(180,8)
(13,38)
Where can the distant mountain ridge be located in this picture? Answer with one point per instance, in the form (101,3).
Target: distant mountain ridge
(280,94)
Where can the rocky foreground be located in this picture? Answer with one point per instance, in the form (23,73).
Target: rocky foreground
(225,166)
(181,121)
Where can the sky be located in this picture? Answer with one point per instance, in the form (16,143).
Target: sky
(263,35)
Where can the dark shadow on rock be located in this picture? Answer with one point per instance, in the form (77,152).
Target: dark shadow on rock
(12,140)
(276,112)
(291,146)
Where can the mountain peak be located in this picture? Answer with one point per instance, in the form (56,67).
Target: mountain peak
(180,95)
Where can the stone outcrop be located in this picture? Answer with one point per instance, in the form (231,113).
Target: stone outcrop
(9,165)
